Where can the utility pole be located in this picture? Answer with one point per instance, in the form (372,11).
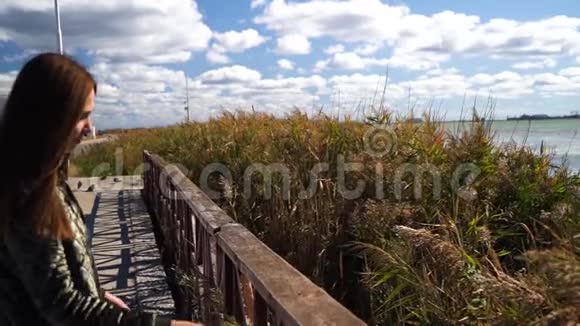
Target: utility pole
(58,29)
(61,51)
(187,97)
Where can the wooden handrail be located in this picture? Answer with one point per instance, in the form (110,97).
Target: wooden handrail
(258,287)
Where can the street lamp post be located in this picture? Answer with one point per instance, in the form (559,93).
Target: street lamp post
(186,97)
(58,29)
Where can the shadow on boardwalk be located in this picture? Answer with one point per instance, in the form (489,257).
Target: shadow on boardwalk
(126,254)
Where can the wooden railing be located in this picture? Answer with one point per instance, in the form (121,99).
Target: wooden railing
(256,286)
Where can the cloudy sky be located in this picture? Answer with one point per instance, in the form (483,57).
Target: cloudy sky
(276,55)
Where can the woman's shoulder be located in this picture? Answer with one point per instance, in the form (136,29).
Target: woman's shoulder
(68,199)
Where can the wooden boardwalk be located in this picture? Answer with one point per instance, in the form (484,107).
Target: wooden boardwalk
(234,275)
(126,253)
(221,270)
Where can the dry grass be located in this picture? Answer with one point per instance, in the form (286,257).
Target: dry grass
(73,171)
(503,250)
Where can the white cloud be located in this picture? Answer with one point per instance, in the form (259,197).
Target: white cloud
(135,95)
(108,92)
(442,86)
(278,96)
(286,64)
(365,91)
(418,36)
(546,63)
(284,85)
(321,65)
(570,72)
(6,80)
(557,84)
(489,79)
(146,31)
(449,83)
(506,84)
(441,71)
(545,79)
(417,60)
(216,57)
(337,48)
(352,20)
(257,3)
(132,94)
(359,88)
(293,44)
(233,41)
(20,57)
(353,61)
(349,60)
(137,78)
(233,74)
(26,5)
(238,42)
(368,49)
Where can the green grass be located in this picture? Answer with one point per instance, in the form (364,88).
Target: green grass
(503,249)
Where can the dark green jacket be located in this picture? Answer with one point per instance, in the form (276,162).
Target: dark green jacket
(46,282)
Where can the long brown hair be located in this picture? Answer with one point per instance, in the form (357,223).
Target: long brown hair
(44,105)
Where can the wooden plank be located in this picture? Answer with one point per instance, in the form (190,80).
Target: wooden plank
(291,296)
(127,258)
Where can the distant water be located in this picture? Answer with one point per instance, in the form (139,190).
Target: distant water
(561,137)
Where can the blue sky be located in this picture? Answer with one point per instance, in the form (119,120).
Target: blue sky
(276,55)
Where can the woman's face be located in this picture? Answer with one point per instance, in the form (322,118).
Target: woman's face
(83,126)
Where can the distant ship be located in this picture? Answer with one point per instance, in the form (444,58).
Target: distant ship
(573,115)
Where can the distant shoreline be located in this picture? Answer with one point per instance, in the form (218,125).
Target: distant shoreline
(498,120)
(544,117)
(511,120)
(416,120)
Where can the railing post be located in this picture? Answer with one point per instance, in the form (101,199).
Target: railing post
(260,310)
(230,287)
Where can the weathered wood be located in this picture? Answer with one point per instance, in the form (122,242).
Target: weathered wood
(121,234)
(230,286)
(247,295)
(260,310)
(257,285)
(291,296)
(211,215)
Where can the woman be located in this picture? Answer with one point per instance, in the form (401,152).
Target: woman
(47,272)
